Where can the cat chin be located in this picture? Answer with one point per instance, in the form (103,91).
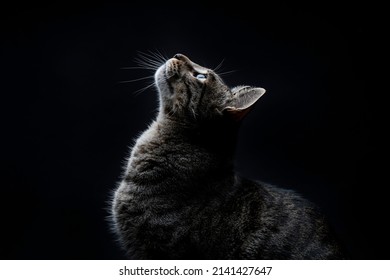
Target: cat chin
(162,84)
(160,79)
(159,75)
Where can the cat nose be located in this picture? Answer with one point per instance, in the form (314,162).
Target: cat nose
(178,56)
(182,57)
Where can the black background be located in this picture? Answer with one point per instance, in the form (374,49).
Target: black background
(68,122)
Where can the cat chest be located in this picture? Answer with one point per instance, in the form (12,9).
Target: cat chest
(150,216)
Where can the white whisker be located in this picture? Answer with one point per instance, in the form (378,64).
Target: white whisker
(143,89)
(227,72)
(161,56)
(146,61)
(156,55)
(142,61)
(137,67)
(151,58)
(135,80)
(219,65)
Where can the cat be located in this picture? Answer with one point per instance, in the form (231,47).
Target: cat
(180,197)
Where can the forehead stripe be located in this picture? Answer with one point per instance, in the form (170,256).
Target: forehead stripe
(189,93)
(201,95)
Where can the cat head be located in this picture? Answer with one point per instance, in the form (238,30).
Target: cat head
(190,92)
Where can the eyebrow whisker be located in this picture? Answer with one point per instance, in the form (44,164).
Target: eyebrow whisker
(219,65)
(135,80)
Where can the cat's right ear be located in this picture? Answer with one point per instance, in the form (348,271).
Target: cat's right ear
(243,99)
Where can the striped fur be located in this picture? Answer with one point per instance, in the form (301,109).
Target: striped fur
(180,198)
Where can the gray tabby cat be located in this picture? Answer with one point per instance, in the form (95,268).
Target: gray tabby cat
(180,197)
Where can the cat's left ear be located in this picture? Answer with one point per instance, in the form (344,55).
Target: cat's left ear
(243,99)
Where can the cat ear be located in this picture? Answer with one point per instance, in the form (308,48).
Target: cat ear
(244,97)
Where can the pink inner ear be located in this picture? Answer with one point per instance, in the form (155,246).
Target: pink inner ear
(236,114)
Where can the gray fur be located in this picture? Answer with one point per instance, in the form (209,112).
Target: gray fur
(180,198)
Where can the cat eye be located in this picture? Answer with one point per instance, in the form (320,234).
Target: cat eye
(201,77)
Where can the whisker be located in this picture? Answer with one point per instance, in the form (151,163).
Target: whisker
(143,61)
(150,60)
(146,61)
(135,80)
(137,67)
(145,65)
(227,72)
(157,55)
(143,89)
(151,57)
(161,56)
(219,65)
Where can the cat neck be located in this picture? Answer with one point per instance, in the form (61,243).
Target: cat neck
(181,154)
